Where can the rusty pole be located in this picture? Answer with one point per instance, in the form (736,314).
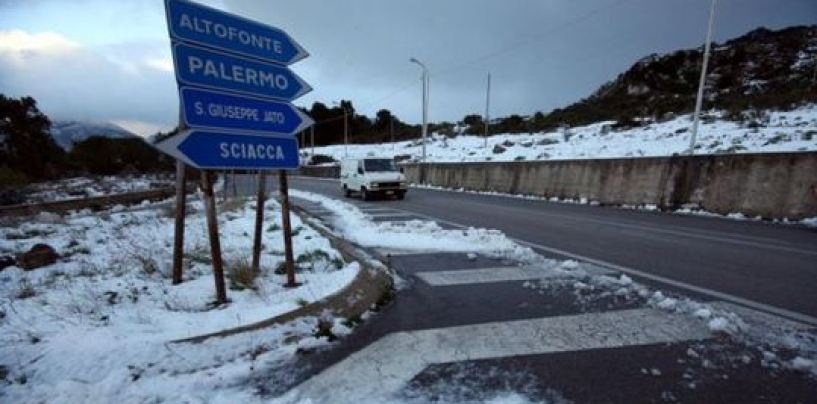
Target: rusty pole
(290,260)
(178,238)
(212,227)
(259,220)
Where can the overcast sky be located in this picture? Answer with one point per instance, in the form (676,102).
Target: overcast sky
(109,60)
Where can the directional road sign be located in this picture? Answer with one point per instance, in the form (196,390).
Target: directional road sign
(221,71)
(216,150)
(215,110)
(195,23)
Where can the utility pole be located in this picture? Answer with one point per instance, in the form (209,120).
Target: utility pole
(425,105)
(487,111)
(312,139)
(391,130)
(699,100)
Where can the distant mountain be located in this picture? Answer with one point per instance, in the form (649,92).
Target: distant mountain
(66,133)
(763,69)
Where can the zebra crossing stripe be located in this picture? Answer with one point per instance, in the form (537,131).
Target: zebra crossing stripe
(383,368)
(498,274)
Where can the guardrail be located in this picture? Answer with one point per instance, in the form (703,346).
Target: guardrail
(93,203)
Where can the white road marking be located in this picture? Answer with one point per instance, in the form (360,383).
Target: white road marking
(396,251)
(375,373)
(784,313)
(366,208)
(689,232)
(389,214)
(493,275)
(757,318)
(764,243)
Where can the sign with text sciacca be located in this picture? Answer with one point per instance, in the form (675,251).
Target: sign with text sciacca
(210,150)
(235,90)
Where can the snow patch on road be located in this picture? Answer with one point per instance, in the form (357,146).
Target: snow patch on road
(418,235)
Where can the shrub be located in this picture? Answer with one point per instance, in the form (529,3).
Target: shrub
(241,274)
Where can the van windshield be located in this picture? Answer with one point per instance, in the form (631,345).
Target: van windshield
(375,165)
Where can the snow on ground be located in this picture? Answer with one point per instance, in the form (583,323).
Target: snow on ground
(779,131)
(95,326)
(84,187)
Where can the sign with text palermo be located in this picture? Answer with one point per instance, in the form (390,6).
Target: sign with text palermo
(216,110)
(221,71)
(195,23)
(222,151)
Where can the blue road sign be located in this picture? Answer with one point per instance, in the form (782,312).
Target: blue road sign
(222,151)
(214,110)
(221,71)
(195,23)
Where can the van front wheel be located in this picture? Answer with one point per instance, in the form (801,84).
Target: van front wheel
(365,195)
(346,191)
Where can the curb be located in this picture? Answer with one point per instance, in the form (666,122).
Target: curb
(371,288)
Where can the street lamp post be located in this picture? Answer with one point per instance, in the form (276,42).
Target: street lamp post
(425,105)
(345,133)
(699,100)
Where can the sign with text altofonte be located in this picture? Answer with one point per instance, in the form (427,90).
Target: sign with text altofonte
(234,88)
(195,23)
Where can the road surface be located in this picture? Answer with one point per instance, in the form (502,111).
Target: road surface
(766,266)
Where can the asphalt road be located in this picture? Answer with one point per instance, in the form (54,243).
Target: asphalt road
(770,267)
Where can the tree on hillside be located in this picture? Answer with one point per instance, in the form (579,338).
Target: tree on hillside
(474,124)
(100,155)
(27,145)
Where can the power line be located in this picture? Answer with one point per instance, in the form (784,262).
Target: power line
(535,38)
(495,53)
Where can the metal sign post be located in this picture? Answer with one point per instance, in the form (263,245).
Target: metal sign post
(259,220)
(178,235)
(290,261)
(212,229)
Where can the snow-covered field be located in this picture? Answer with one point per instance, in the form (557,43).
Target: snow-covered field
(96,326)
(778,131)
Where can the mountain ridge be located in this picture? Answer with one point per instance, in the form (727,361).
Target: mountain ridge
(68,132)
(762,69)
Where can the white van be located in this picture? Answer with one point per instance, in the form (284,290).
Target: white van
(372,176)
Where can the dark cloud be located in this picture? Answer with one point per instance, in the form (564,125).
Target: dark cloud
(541,54)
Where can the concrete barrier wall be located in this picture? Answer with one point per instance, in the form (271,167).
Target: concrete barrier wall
(771,185)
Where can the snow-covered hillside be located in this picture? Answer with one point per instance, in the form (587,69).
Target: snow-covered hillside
(66,133)
(774,131)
